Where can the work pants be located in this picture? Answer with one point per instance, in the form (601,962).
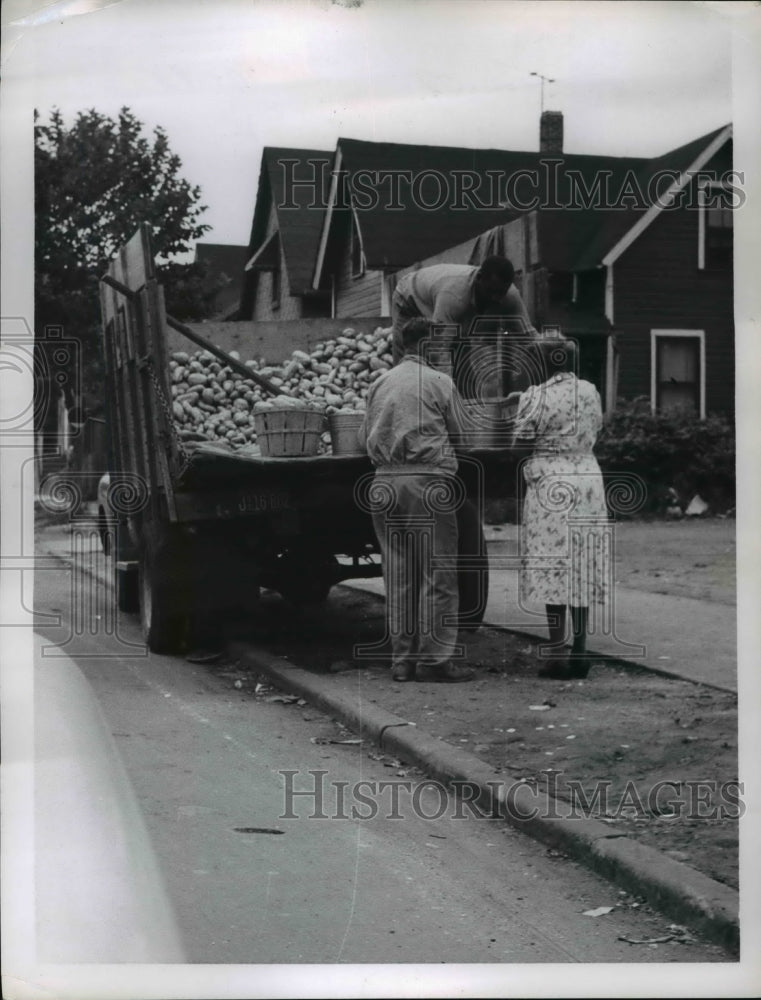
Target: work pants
(416,525)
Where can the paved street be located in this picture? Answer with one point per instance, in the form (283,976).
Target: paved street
(205,761)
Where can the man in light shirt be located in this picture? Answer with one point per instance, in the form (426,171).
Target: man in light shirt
(410,421)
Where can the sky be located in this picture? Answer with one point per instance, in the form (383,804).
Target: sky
(227,77)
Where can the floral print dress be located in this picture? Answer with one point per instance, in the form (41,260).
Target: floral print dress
(565,535)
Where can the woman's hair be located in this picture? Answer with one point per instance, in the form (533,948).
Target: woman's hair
(554,355)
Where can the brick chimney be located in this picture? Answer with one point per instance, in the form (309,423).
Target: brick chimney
(551,132)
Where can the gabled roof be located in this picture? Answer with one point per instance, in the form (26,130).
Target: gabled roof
(299,207)
(575,235)
(617,230)
(267,257)
(222,259)
(398,237)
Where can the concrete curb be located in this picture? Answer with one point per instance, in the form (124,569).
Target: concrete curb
(674,888)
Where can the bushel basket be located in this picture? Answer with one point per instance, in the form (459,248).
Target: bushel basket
(286,432)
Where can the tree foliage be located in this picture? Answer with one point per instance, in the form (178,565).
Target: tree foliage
(95,182)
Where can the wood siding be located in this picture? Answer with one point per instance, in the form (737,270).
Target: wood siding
(360,296)
(658,285)
(355,296)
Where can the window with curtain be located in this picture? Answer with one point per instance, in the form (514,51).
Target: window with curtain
(678,374)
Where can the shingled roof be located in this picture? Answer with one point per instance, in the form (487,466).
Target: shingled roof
(398,237)
(300,207)
(612,227)
(397,231)
(493,186)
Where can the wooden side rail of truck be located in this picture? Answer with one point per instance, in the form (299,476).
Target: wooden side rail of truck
(199,533)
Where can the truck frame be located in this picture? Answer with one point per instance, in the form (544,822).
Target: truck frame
(199,533)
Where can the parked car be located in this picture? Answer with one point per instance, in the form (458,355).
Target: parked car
(105,514)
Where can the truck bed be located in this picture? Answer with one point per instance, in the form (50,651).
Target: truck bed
(210,467)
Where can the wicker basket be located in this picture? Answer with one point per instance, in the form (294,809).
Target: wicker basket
(286,432)
(343,433)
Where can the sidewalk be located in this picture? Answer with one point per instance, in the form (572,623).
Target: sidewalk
(677,636)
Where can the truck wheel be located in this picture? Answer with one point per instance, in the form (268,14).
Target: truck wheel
(304,581)
(473,575)
(124,565)
(104,531)
(162,622)
(127,587)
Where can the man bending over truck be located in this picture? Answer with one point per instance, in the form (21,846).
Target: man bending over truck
(453,295)
(408,429)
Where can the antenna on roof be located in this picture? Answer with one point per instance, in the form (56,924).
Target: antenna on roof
(544,79)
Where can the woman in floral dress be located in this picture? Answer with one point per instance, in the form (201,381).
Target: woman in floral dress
(565,557)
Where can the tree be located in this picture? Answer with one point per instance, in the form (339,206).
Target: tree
(95,181)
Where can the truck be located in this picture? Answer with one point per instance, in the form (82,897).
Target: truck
(199,532)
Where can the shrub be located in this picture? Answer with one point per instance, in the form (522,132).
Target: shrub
(671,450)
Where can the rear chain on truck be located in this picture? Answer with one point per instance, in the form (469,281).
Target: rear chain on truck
(182,451)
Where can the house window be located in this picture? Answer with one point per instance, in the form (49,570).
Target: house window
(357,253)
(678,371)
(715,227)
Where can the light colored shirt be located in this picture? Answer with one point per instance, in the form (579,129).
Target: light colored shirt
(444,293)
(410,419)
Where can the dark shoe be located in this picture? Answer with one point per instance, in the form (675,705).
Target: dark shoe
(578,665)
(556,670)
(404,673)
(452,673)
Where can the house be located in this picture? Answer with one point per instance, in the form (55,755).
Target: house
(224,265)
(669,280)
(631,255)
(293,189)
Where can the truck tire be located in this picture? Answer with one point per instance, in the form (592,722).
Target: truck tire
(305,579)
(473,576)
(106,539)
(126,583)
(124,565)
(161,617)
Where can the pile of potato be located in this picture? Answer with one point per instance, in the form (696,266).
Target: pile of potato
(210,402)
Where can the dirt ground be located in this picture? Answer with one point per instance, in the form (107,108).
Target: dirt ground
(663,751)
(694,557)
(690,558)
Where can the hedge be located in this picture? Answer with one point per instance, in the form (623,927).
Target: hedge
(671,450)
